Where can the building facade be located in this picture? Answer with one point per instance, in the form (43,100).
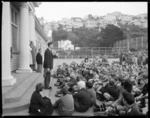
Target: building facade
(19,27)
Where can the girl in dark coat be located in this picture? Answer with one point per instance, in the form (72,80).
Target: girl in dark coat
(39,61)
(40,106)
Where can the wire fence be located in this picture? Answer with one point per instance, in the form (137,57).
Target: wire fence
(132,44)
(90,52)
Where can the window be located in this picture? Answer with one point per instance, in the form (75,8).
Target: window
(14,26)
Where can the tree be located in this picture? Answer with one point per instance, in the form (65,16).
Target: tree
(87,37)
(110,34)
(133,31)
(74,38)
(59,35)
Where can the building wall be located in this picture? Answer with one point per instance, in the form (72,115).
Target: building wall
(15,40)
(15,37)
(40,43)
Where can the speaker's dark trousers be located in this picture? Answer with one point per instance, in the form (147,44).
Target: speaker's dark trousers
(47,78)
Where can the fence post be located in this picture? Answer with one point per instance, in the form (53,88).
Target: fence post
(142,42)
(128,45)
(119,52)
(136,43)
(92,52)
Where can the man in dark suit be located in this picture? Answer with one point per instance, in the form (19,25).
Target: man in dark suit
(48,64)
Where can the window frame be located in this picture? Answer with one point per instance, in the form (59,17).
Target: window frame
(15,23)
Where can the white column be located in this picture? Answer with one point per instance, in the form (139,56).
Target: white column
(7,78)
(24,40)
(32,27)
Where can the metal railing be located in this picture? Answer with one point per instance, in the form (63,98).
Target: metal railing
(90,52)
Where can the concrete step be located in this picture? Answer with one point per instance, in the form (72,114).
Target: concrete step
(19,113)
(22,109)
(23,103)
(20,90)
(20,78)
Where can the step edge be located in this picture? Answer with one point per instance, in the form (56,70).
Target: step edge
(16,109)
(16,99)
(17,103)
(21,107)
(14,86)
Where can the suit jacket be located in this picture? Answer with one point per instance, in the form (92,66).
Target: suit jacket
(48,59)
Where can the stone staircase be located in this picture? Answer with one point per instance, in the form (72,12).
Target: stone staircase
(17,100)
(18,97)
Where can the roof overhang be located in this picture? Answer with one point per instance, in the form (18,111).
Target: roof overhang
(40,30)
(36,4)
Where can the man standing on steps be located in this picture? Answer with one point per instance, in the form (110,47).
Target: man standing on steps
(48,64)
(33,52)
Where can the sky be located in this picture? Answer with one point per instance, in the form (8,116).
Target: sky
(55,11)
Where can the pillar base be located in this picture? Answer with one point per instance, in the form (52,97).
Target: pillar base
(24,71)
(8,81)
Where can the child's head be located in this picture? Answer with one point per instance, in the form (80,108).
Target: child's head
(89,84)
(39,87)
(127,86)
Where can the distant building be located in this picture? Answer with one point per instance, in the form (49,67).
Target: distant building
(47,27)
(91,23)
(77,22)
(41,20)
(54,25)
(66,45)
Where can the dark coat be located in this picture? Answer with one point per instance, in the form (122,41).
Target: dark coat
(114,91)
(82,100)
(39,58)
(39,103)
(48,59)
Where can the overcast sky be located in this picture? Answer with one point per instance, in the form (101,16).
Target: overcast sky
(54,11)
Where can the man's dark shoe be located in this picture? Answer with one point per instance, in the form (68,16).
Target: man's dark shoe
(45,87)
(50,88)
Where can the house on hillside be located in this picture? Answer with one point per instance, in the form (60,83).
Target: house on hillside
(91,23)
(19,26)
(77,22)
(66,45)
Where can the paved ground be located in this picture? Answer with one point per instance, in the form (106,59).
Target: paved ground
(52,93)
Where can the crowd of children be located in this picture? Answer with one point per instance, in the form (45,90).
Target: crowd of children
(119,88)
